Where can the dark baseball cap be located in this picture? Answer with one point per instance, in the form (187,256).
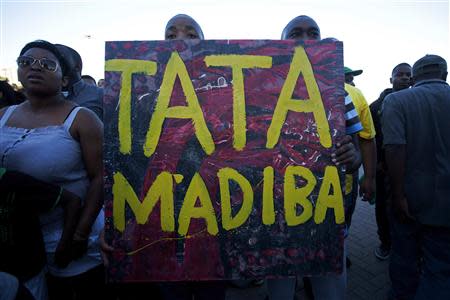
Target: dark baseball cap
(430,63)
(351,72)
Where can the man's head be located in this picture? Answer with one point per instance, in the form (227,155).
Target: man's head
(429,67)
(75,63)
(183,27)
(350,75)
(401,77)
(101,83)
(7,94)
(301,28)
(89,80)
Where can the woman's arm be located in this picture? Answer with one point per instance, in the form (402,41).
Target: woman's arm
(72,207)
(88,129)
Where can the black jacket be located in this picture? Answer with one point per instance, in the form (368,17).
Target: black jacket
(375,110)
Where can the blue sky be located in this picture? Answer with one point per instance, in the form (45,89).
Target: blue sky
(377,34)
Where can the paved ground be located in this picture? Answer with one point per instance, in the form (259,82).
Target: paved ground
(368,277)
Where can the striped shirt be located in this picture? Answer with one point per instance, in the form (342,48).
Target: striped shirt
(352,122)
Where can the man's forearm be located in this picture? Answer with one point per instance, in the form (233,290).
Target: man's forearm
(396,162)
(357,162)
(369,157)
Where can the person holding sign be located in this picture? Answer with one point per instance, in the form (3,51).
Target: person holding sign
(53,140)
(305,28)
(184,27)
(179,27)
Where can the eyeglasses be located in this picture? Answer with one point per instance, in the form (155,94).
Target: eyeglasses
(45,63)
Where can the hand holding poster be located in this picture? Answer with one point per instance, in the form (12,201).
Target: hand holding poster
(218,159)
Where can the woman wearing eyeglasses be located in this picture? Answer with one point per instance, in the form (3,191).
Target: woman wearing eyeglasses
(60,143)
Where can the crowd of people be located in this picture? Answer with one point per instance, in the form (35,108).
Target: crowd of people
(51,180)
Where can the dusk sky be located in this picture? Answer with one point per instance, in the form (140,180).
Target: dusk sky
(377,34)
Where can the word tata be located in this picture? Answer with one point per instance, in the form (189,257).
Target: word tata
(162,189)
(176,68)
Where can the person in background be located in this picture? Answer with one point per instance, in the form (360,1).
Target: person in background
(400,80)
(349,75)
(89,80)
(22,251)
(416,133)
(80,92)
(8,95)
(20,93)
(367,145)
(101,83)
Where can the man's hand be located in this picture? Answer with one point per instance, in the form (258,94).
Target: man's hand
(401,210)
(367,188)
(345,152)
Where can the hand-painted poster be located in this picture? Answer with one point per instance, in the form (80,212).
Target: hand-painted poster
(218,159)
